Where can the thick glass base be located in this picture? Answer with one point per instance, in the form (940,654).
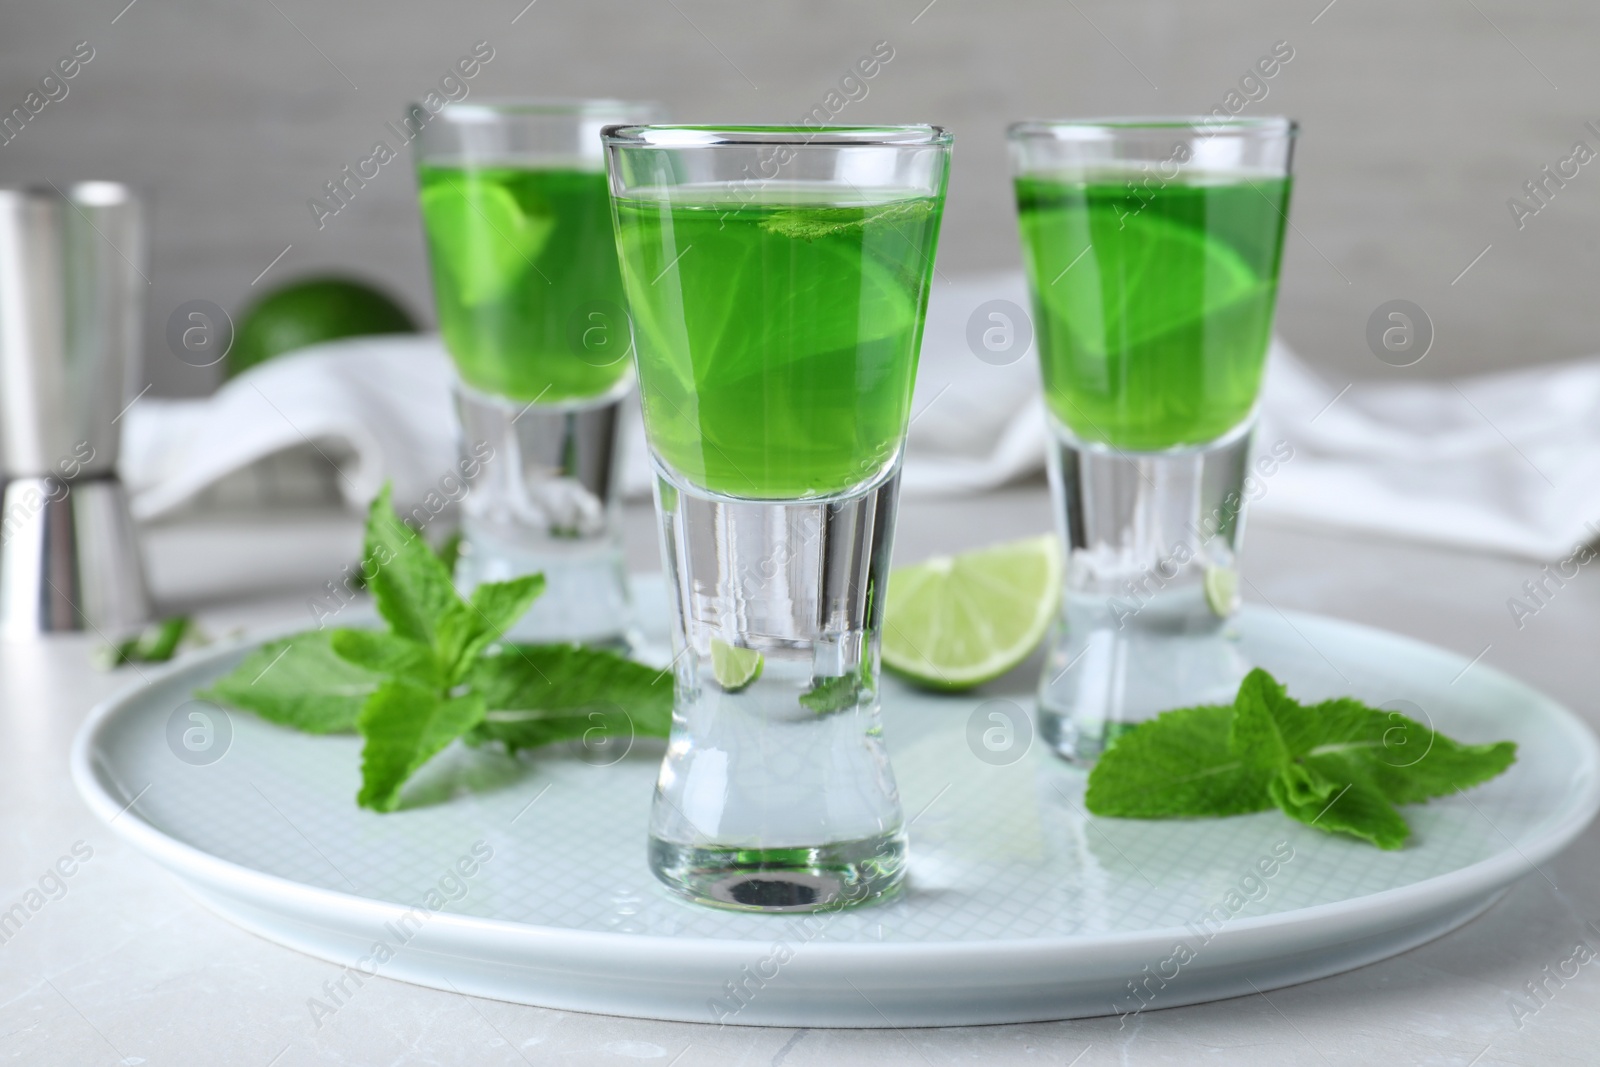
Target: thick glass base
(1152,541)
(824,877)
(544,502)
(776,771)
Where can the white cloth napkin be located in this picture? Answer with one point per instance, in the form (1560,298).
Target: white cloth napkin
(377,407)
(1508,462)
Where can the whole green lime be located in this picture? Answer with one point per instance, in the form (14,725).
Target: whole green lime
(310,311)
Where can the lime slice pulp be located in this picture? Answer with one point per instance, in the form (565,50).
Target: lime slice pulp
(1149,275)
(1222,590)
(953,622)
(479,231)
(733,667)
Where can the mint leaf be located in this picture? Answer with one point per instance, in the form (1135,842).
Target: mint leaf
(405,725)
(1177,765)
(500,604)
(1340,766)
(388,654)
(1363,760)
(412,589)
(540,694)
(529,729)
(467,629)
(1358,808)
(157,643)
(1407,761)
(1336,793)
(297,682)
(1256,733)
(449,551)
(828,695)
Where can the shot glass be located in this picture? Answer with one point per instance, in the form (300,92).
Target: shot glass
(1152,249)
(777,279)
(529,297)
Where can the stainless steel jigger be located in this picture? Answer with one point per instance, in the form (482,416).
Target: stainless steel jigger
(71,297)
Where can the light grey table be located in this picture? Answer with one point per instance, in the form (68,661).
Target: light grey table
(117,965)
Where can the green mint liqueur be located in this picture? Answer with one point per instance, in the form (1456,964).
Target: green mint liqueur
(1152,302)
(777,338)
(525,279)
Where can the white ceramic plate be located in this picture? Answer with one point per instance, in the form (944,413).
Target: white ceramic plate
(525,880)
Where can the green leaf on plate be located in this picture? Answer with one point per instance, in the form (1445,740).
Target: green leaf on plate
(1179,764)
(298,682)
(412,589)
(388,654)
(405,725)
(467,629)
(540,694)
(1340,766)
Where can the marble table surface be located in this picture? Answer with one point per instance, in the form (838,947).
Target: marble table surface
(118,966)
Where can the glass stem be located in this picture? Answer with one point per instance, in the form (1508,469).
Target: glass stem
(776,793)
(1152,542)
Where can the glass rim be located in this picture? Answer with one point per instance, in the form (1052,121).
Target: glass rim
(679,136)
(492,108)
(1108,128)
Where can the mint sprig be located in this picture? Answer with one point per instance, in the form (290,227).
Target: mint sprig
(440,671)
(1340,766)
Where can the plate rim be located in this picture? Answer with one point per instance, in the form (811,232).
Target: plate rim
(1473,881)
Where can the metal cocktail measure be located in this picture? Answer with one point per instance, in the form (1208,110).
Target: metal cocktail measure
(71,298)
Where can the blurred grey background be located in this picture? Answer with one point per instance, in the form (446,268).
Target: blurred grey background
(1420,121)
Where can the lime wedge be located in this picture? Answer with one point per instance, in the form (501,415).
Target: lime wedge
(797,283)
(1222,590)
(479,232)
(953,622)
(1143,275)
(733,667)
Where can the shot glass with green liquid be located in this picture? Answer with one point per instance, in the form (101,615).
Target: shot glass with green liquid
(518,225)
(1152,249)
(777,279)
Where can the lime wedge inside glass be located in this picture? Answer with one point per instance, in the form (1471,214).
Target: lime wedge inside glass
(733,667)
(954,622)
(839,292)
(1143,275)
(482,235)
(1222,590)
